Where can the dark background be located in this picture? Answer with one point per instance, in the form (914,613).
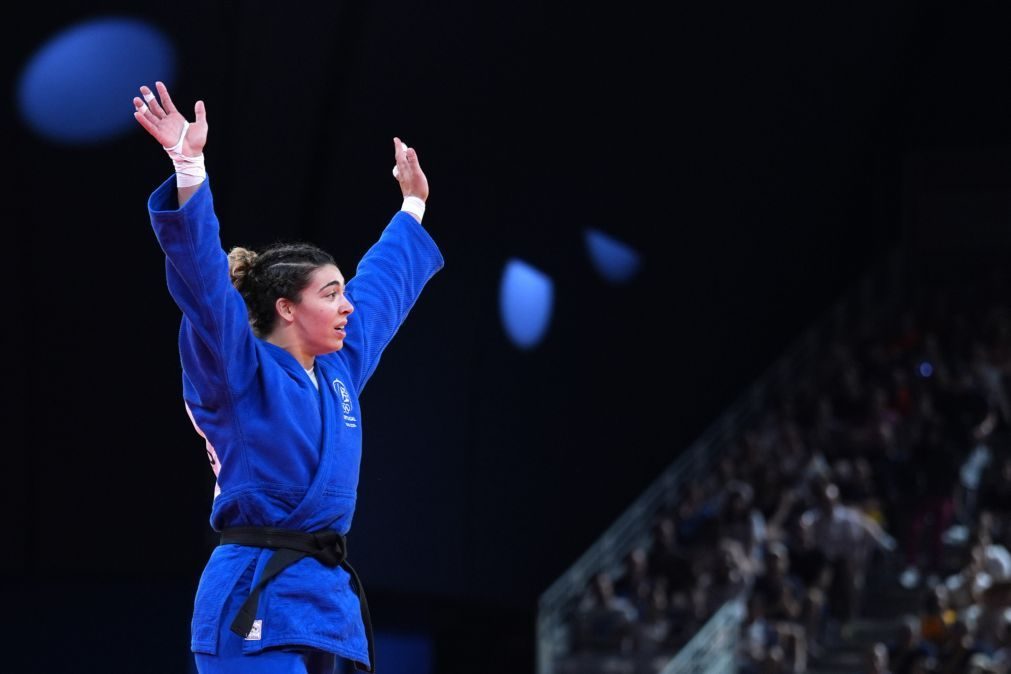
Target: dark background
(756,156)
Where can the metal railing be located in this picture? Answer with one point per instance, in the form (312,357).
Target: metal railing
(713,649)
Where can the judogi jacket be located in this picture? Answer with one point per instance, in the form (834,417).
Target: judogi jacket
(285,454)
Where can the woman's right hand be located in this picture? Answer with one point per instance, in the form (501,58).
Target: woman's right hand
(166,124)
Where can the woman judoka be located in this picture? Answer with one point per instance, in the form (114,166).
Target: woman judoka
(275,348)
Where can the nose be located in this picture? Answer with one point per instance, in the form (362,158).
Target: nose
(348,307)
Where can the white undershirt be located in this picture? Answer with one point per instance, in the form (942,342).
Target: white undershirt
(312,375)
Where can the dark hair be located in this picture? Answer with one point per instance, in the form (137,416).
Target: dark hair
(281,270)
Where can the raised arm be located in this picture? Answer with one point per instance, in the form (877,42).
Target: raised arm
(216,344)
(413,183)
(877,534)
(392,273)
(183,141)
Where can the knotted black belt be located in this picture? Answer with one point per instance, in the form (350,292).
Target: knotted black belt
(328,546)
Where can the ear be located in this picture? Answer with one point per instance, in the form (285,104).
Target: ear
(285,308)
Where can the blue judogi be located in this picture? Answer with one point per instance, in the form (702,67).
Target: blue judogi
(285,454)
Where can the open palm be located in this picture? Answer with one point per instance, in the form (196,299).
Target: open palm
(166,124)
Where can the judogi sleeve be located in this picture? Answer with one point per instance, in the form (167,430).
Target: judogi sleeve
(215,340)
(386,285)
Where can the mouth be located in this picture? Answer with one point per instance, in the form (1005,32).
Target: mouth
(341,330)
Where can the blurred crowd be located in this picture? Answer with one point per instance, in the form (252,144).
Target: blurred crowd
(891,456)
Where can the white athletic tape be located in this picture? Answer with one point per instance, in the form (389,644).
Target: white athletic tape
(143,108)
(189,170)
(414,205)
(148,97)
(178,146)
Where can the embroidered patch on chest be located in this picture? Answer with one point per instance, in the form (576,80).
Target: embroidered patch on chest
(346,405)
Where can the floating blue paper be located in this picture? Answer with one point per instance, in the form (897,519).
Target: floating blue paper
(615,261)
(78,87)
(525,302)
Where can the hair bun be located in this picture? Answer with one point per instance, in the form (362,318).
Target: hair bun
(240,261)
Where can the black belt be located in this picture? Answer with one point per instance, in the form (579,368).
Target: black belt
(328,546)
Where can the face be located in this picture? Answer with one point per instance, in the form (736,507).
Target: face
(321,317)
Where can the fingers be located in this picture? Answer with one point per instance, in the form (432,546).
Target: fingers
(401,149)
(398,156)
(143,115)
(166,100)
(152,102)
(402,153)
(406,158)
(200,111)
(142,111)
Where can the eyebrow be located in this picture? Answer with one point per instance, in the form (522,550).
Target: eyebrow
(332,283)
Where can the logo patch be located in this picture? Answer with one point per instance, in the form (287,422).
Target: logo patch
(346,406)
(256,633)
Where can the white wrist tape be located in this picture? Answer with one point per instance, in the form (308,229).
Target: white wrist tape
(415,206)
(189,170)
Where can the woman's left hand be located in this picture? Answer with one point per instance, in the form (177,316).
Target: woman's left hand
(413,182)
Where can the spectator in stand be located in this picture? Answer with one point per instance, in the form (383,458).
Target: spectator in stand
(956,652)
(990,613)
(767,648)
(907,647)
(741,522)
(881,434)
(960,586)
(936,618)
(995,497)
(847,537)
(667,560)
(933,479)
(653,630)
(865,492)
(728,579)
(971,474)
(813,571)
(634,585)
(877,659)
(782,594)
(757,637)
(686,613)
(1001,653)
(694,513)
(604,621)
